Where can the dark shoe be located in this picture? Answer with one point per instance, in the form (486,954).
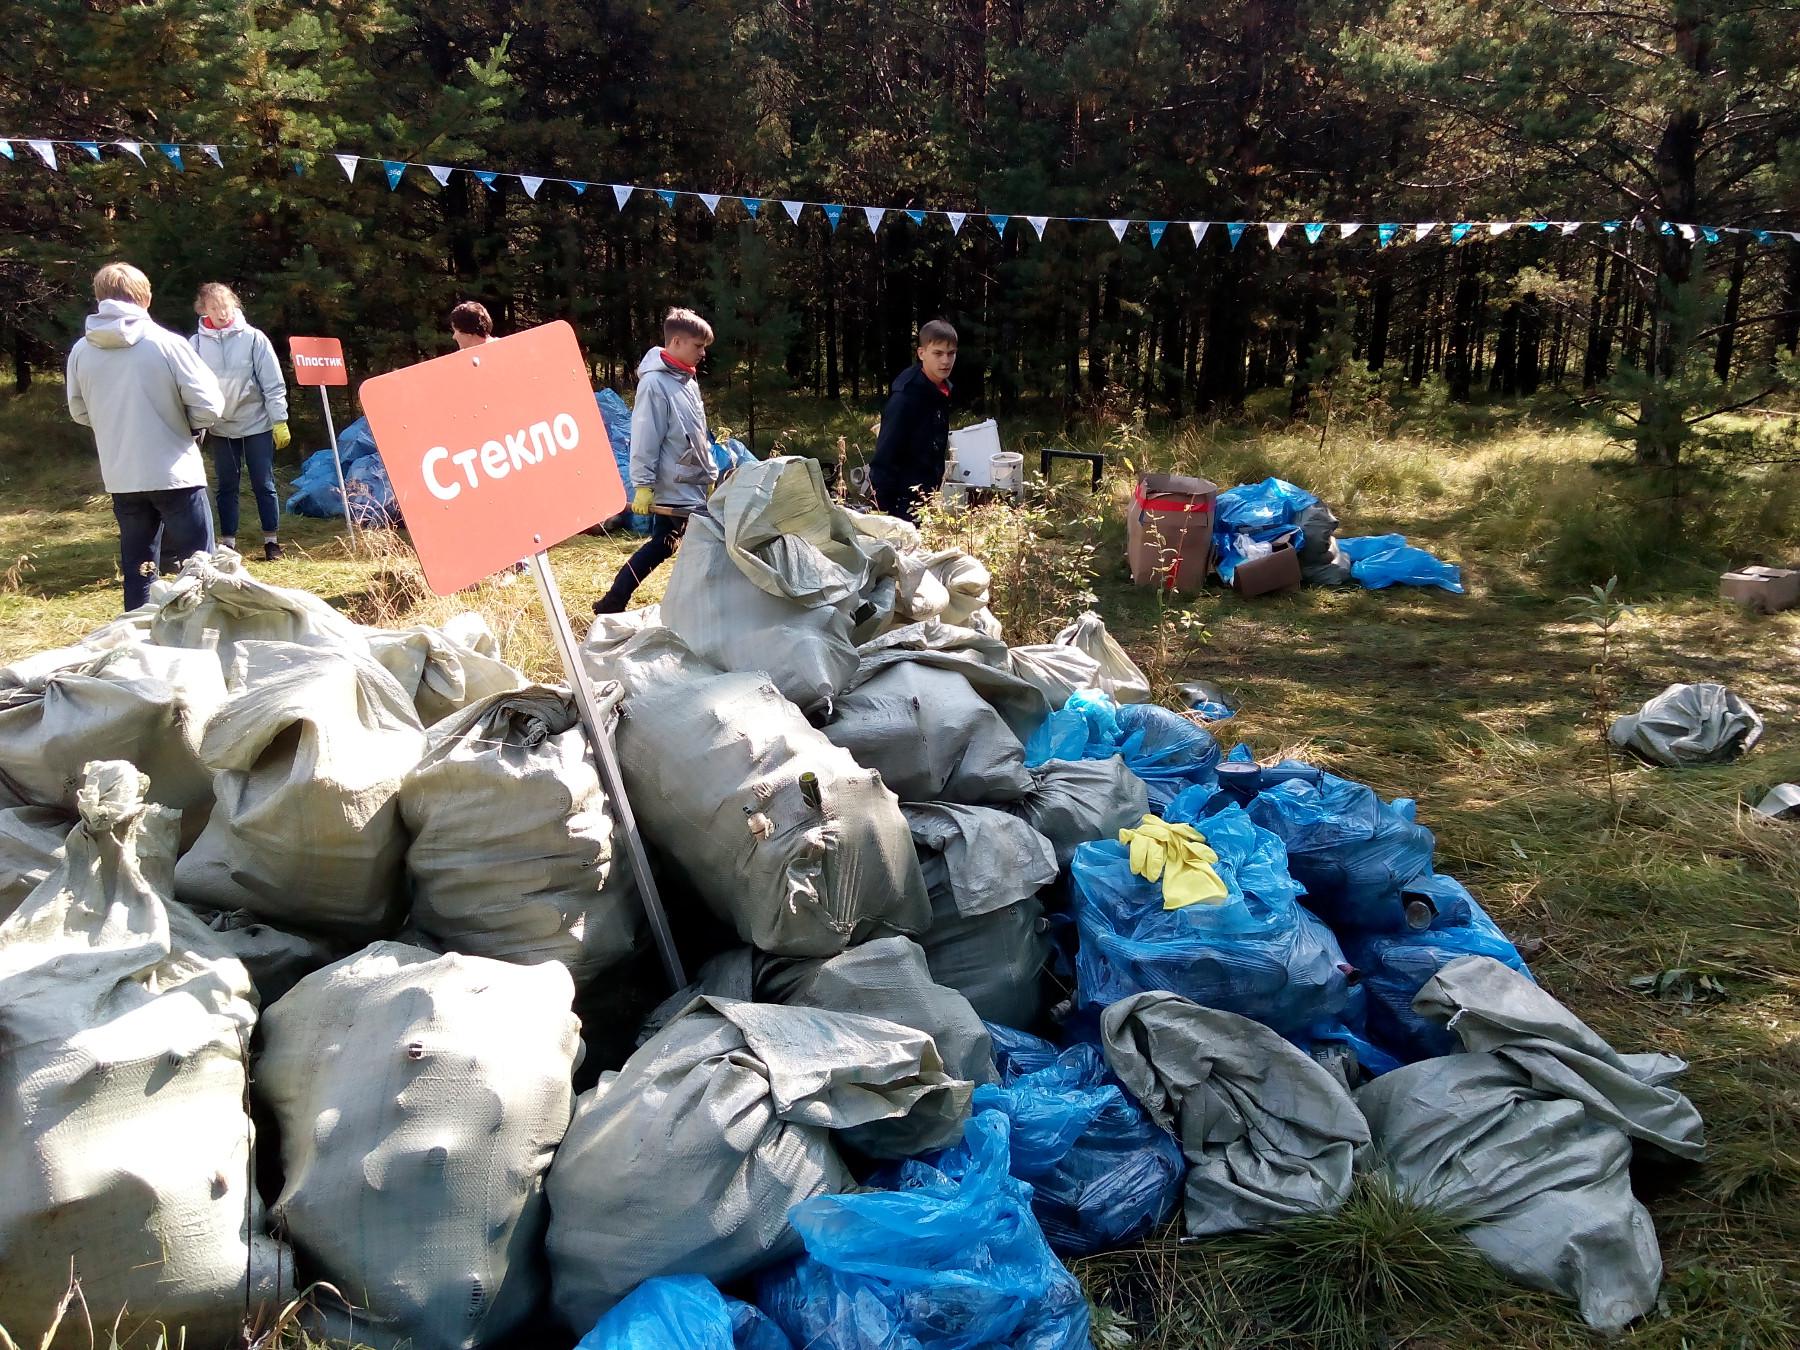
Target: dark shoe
(607,605)
(271,551)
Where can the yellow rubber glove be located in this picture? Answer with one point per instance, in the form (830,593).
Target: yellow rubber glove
(282,435)
(1179,857)
(642,500)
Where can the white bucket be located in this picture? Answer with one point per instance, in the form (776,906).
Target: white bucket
(1006,471)
(973,449)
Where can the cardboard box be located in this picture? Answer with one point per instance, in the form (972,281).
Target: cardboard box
(1765,589)
(1275,574)
(1169,531)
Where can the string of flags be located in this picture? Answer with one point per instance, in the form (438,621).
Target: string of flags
(1386,233)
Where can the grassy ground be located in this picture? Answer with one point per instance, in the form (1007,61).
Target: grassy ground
(1486,708)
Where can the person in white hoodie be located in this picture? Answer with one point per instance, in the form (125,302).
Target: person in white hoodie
(144,391)
(254,424)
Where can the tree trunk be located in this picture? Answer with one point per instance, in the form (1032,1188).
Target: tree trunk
(1459,365)
(1222,358)
(1503,378)
(1728,333)
(1787,329)
(1378,322)
(1603,314)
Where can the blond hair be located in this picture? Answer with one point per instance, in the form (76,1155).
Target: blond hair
(686,323)
(215,291)
(122,281)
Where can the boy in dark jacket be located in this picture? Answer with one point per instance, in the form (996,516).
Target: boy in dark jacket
(915,426)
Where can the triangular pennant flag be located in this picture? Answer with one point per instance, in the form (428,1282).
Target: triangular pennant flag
(1199,228)
(211,152)
(93,147)
(711,199)
(7,150)
(133,148)
(622,194)
(1346,228)
(170,152)
(1118,229)
(1276,229)
(1423,228)
(753,205)
(917,217)
(1459,231)
(1794,235)
(668,197)
(1712,235)
(956,219)
(395,170)
(1611,226)
(45,151)
(487,178)
(793,209)
(1236,231)
(531,185)
(999,223)
(1666,228)
(1496,228)
(1385,233)
(1314,231)
(441,173)
(873,215)
(1570,226)
(349,162)
(1156,228)
(1687,232)
(580,187)
(834,212)
(1038,222)
(1765,236)
(1539,225)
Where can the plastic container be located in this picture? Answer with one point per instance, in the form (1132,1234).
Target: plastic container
(1006,471)
(1169,531)
(972,449)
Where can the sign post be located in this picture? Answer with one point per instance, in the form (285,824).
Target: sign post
(320,361)
(498,453)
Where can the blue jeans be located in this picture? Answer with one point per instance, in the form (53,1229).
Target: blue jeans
(229,455)
(157,526)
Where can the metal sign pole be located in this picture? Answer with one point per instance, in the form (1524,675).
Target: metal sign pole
(337,463)
(608,764)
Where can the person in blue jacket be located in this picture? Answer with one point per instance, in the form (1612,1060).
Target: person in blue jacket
(672,466)
(915,426)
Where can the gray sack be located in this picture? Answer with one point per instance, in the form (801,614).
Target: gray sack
(1074,802)
(1689,724)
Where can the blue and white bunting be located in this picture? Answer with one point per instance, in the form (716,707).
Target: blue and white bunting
(1496,228)
(1422,229)
(793,210)
(1570,226)
(1118,228)
(133,148)
(916,217)
(487,178)
(1458,231)
(580,187)
(956,219)
(1276,229)
(622,194)
(441,173)
(1709,234)
(999,223)
(395,171)
(1384,234)
(92,147)
(6,151)
(1156,227)
(348,164)
(753,205)
(1611,226)
(668,197)
(711,201)
(172,153)
(1539,225)
(873,215)
(531,185)
(210,151)
(1315,230)
(1198,229)
(1236,230)
(833,212)
(1346,228)
(1038,222)
(44,151)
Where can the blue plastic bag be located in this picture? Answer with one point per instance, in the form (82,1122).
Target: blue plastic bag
(315,489)
(1354,853)
(372,500)
(1102,1173)
(1254,506)
(1396,966)
(1378,561)
(617,418)
(1257,953)
(1168,751)
(356,442)
(683,1312)
(731,454)
(950,1258)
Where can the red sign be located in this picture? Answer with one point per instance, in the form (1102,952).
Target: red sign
(318,361)
(496,452)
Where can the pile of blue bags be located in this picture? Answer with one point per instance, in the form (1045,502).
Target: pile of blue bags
(1168,751)
(1251,519)
(371,493)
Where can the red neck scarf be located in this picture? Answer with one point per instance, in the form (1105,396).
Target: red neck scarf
(682,366)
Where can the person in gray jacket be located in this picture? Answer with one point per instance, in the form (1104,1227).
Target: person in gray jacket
(672,468)
(254,424)
(144,392)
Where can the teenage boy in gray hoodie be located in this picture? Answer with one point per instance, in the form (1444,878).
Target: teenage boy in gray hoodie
(145,391)
(672,468)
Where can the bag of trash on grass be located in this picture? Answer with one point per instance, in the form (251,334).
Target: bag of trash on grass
(512,838)
(308,753)
(1102,1173)
(1257,952)
(1168,751)
(1528,1137)
(930,735)
(1073,802)
(143,704)
(1268,1134)
(420,1098)
(983,869)
(949,1255)
(1689,724)
(445,669)
(683,1312)
(122,1094)
(774,577)
(786,837)
(1118,676)
(689,1158)
(215,594)
(1378,561)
